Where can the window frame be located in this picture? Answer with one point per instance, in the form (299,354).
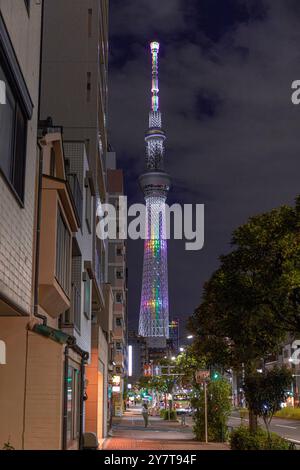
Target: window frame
(121,271)
(15,80)
(16,158)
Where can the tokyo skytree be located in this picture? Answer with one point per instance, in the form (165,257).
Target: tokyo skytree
(155,184)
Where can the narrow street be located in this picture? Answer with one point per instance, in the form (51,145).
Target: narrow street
(129,433)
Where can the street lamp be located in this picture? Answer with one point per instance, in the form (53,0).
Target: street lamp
(173,358)
(181,349)
(190,337)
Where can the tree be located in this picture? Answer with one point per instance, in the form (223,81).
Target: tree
(163,383)
(265,392)
(253,300)
(187,363)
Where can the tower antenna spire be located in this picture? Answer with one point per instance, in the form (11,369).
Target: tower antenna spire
(154,46)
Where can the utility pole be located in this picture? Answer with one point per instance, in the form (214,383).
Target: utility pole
(205,412)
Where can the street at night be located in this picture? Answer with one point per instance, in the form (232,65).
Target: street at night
(149,231)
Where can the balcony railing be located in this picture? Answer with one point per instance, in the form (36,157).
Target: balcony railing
(76,306)
(76,193)
(72,317)
(99,268)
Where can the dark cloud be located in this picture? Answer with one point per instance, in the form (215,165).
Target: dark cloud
(226,69)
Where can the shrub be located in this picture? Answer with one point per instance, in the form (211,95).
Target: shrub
(242,439)
(244,413)
(218,410)
(164,414)
(7,446)
(289,413)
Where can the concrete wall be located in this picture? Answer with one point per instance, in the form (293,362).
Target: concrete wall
(16,234)
(12,380)
(34,364)
(96,375)
(44,398)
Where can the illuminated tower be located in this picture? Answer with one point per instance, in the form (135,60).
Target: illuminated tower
(155,184)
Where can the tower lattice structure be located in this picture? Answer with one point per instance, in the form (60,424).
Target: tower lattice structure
(155,184)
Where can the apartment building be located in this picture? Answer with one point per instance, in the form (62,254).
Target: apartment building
(20,31)
(138,356)
(74,96)
(117,276)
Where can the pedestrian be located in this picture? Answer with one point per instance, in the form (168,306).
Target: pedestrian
(145,414)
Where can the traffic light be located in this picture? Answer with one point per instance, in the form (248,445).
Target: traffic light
(215,375)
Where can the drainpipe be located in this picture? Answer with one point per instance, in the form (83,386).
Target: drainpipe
(65,409)
(84,358)
(38,236)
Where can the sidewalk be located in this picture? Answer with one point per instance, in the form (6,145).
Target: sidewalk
(129,433)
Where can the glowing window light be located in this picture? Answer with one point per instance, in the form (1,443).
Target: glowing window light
(130,361)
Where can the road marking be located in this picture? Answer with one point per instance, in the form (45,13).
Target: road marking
(294,440)
(284,426)
(234,417)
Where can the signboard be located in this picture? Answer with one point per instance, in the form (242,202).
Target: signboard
(118,410)
(2,353)
(147,370)
(2,92)
(116,380)
(201,376)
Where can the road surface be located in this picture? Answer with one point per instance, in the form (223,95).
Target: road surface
(287,428)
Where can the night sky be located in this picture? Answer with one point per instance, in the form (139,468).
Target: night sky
(233,140)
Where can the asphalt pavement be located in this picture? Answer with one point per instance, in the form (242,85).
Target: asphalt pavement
(287,428)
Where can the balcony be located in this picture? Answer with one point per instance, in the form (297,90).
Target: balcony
(119,358)
(118,332)
(76,192)
(58,222)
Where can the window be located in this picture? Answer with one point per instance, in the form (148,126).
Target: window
(52,162)
(119,297)
(13,136)
(119,251)
(118,321)
(88,86)
(88,208)
(73,404)
(119,274)
(118,347)
(90,20)
(63,254)
(87,296)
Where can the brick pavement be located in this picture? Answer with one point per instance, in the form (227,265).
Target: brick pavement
(129,434)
